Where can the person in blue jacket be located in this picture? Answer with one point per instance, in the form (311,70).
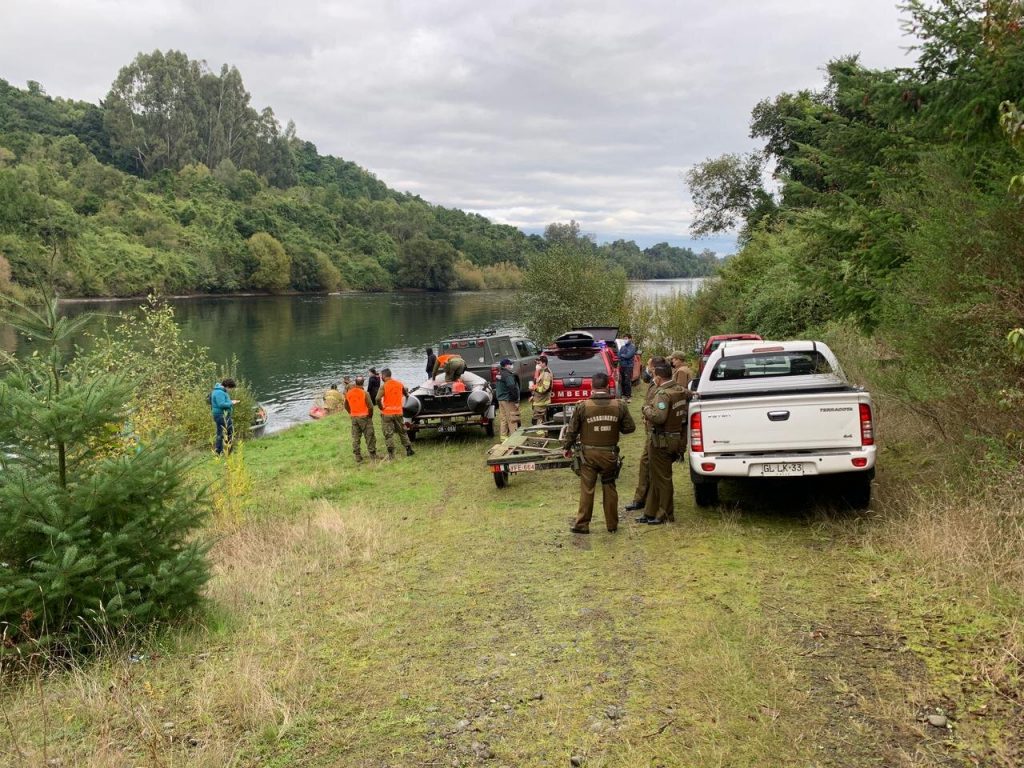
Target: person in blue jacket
(626,354)
(223,407)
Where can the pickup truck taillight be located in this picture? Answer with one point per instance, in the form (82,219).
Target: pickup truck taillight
(696,434)
(867,428)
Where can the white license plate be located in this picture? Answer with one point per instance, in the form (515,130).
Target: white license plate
(446,428)
(524,467)
(782,469)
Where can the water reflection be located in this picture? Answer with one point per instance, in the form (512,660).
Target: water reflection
(658,289)
(291,348)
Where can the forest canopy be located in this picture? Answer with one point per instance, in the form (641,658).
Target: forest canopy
(176,183)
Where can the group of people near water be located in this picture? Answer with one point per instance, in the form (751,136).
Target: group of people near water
(592,436)
(358,397)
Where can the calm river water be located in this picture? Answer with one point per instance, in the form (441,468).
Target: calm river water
(291,348)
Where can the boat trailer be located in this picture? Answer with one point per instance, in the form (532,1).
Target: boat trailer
(528,449)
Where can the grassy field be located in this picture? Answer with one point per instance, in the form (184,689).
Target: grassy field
(411,614)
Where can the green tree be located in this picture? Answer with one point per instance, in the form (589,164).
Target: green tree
(729,194)
(96,533)
(428,264)
(152,112)
(566,287)
(569,234)
(272,265)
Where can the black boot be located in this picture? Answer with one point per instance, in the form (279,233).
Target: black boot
(409,451)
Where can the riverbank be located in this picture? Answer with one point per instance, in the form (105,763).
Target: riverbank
(412,614)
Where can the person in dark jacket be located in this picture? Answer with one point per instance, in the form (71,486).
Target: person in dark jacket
(222,408)
(373,385)
(626,354)
(431,361)
(507,391)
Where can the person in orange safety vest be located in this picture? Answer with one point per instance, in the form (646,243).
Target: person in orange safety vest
(360,408)
(391,398)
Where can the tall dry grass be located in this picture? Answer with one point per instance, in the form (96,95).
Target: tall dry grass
(192,698)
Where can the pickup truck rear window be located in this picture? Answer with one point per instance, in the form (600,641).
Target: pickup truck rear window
(773,364)
(578,364)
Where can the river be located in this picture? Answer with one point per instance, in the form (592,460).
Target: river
(291,348)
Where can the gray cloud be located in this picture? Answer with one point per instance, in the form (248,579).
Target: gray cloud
(527,113)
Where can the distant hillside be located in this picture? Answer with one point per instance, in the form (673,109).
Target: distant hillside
(176,184)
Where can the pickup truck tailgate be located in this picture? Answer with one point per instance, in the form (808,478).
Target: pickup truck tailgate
(780,422)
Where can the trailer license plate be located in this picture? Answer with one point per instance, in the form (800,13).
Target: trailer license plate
(445,428)
(524,467)
(782,469)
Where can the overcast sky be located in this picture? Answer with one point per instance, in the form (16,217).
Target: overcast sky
(527,112)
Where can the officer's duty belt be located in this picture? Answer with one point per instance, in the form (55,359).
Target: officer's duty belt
(586,447)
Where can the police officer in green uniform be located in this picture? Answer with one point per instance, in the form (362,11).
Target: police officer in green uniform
(597,423)
(644,476)
(666,443)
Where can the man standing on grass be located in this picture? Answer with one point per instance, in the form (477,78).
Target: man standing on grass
(541,389)
(667,415)
(391,398)
(597,423)
(643,482)
(681,373)
(373,385)
(360,408)
(626,355)
(507,392)
(223,408)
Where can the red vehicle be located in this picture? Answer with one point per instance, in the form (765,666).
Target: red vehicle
(715,342)
(573,360)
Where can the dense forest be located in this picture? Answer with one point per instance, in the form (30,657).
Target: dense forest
(897,211)
(175,183)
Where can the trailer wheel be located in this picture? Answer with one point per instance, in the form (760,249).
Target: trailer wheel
(501,479)
(489,428)
(705,494)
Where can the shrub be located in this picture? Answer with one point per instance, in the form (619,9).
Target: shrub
(503,276)
(96,531)
(468,276)
(171,375)
(273,266)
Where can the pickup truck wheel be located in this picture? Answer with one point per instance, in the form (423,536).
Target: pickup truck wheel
(705,494)
(501,479)
(857,492)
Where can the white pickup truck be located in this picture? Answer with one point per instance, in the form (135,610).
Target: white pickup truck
(768,409)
